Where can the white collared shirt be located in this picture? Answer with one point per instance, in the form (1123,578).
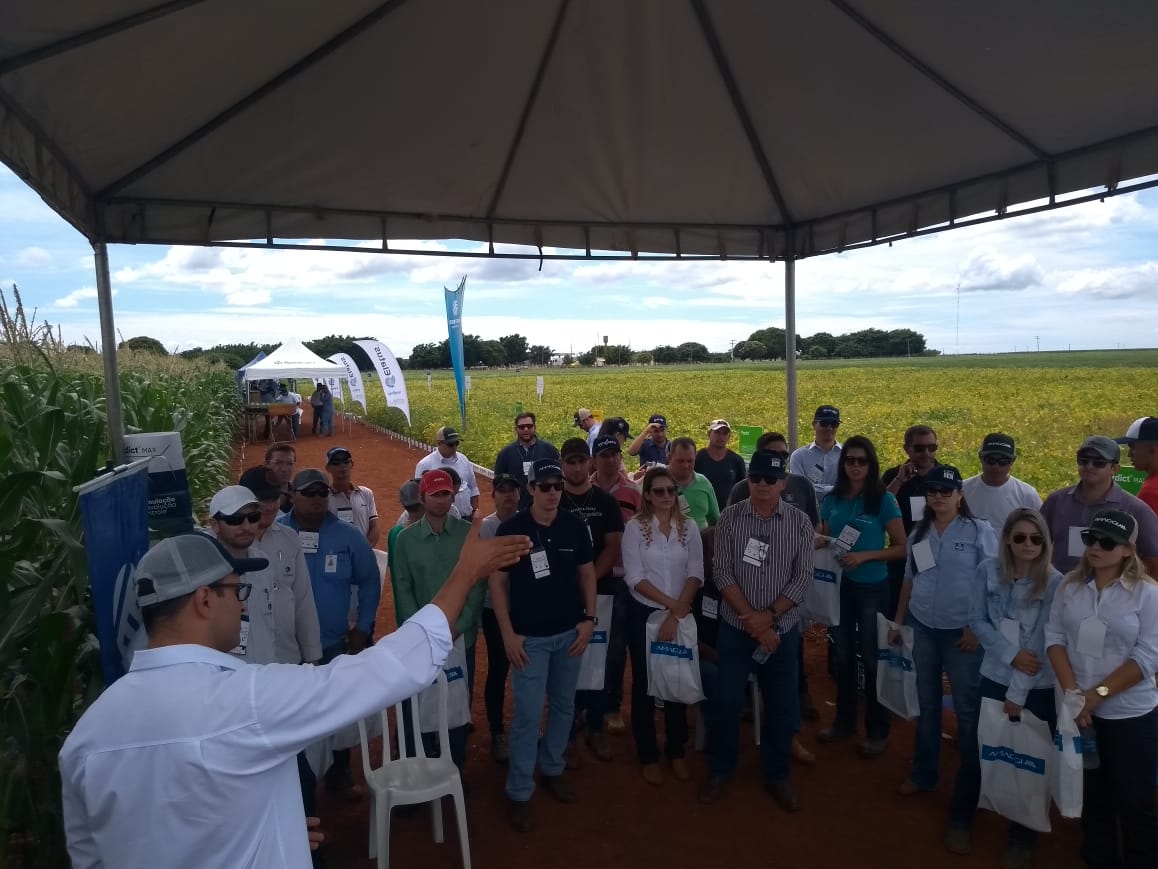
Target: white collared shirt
(188,761)
(665,562)
(1130,616)
(356,507)
(464,469)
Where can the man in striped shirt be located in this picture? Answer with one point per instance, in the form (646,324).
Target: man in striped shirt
(762,567)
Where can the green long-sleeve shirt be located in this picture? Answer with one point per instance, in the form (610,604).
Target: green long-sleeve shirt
(423,561)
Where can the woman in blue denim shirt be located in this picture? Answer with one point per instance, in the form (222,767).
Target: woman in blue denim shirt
(943,553)
(1011,604)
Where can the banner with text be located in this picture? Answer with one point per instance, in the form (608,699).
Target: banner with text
(170,505)
(453,300)
(389,374)
(115,513)
(353,378)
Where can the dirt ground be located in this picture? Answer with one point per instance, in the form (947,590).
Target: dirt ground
(851,814)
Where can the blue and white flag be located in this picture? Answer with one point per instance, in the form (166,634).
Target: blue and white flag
(454,328)
(115,512)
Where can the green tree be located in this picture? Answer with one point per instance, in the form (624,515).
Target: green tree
(492,354)
(587,359)
(692,351)
(515,348)
(643,358)
(751,350)
(144,344)
(665,354)
(331,344)
(539,354)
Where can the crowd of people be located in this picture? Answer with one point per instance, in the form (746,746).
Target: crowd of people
(1009,599)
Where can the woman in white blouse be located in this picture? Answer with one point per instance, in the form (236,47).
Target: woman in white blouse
(663,563)
(1102,640)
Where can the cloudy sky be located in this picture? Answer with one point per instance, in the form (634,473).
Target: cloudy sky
(1082,277)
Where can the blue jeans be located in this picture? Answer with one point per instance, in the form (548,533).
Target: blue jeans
(552,674)
(859,604)
(777,678)
(935,652)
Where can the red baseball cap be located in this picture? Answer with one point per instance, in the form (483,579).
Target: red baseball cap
(435,481)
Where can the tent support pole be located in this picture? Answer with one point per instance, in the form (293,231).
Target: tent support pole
(113,409)
(790,345)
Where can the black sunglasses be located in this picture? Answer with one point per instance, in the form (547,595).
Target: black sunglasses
(241,589)
(856,460)
(1091,538)
(1000,461)
(1020,537)
(663,490)
(315,493)
(547,487)
(933,493)
(924,448)
(827,424)
(525,425)
(237,518)
(770,479)
(1097,463)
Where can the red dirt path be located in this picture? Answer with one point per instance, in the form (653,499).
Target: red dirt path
(851,814)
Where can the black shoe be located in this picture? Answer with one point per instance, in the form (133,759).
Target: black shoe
(784,796)
(712,790)
(520,817)
(836,733)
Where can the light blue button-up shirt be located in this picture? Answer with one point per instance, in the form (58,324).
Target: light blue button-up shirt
(943,594)
(818,465)
(188,760)
(995,600)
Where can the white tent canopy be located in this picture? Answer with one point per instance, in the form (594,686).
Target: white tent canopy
(774,129)
(293,359)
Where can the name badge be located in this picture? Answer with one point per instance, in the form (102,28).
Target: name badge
(755,551)
(710,609)
(916,507)
(1092,637)
(527,468)
(346,514)
(309,541)
(761,655)
(243,638)
(1011,630)
(1076,548)
(539,563)
(923,556)
(847,540)
(331,563)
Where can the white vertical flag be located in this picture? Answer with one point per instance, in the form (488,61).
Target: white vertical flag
(390,375)
(353,378)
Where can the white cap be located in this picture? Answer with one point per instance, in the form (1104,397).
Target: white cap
(230,500)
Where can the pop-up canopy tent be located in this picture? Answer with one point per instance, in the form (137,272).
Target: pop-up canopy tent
(729,129)
(293,359)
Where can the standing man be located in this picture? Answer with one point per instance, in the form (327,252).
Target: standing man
(282,459)
(1067,511)
(601,514)
(907,483)
(819,460)
(1141,439)
(995,492)
(339,560)
(720,465)
(652,445)
(697,498)
(297,400)
(425,554)
(352,504)
(446,456)
(617,427)
(188,759)
(763,566)
(505,494)
(545,607)
(517,457)
(585,421)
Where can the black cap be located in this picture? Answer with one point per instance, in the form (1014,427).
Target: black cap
(261,481)
(615,425)
(826,413)
(574,447)
(997,444)
(545,469)
(503,479)
(768,463)
(335,455)
(606,443)
(943,477)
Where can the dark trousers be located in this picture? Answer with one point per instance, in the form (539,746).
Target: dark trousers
(1039,701)
(596,704)
(339,772)
(1119,795)
(801,676)
(675,715)
(859,605)
(457,736)
(498,668)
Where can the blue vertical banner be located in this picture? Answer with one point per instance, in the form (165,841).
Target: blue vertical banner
(115,512)
(454,328)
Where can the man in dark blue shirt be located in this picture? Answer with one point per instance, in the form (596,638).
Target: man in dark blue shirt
(545,607)
(517,457)
(652,445)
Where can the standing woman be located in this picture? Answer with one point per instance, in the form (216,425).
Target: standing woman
(943,553)
(1102,639)
(1011,603)
(860,503)
(663,564)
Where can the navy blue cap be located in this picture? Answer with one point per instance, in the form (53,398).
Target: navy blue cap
(826,413)
(545,469)
(943,477)
(604,443)
(657,418)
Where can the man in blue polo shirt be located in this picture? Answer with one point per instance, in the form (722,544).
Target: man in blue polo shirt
(652,445)
(545,607)
(339,559)
(517,457)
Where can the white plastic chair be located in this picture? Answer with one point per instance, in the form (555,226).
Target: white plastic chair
(410,780)
(383,562)
(701,719)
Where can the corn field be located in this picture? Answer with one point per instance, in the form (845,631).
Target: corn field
(54,436)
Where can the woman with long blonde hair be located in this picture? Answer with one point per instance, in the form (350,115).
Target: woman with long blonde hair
(1102,639)
(1011,603)
(663,565)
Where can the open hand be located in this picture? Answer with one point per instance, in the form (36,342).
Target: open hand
(667,629)
(584,630)
(483,557)
(516,654)
(1026,662)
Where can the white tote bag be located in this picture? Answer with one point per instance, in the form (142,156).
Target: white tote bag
(673,669)
(594,664)
(1017,760)
(457,694)
(823,599)
(1068,770)
(896,672)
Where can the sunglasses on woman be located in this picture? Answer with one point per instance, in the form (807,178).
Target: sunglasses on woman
(859,461)
(1020,538)
(663,490)
(237,518)
(547,487)
(1092,538)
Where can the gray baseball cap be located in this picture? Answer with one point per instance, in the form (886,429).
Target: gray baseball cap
(1103,447)
(183,564)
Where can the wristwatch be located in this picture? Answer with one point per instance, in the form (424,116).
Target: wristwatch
(587,618)
(1102,691)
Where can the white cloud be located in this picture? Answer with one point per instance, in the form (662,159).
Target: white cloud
(1125,282)
(74,298)
(34,257)
(988,270)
